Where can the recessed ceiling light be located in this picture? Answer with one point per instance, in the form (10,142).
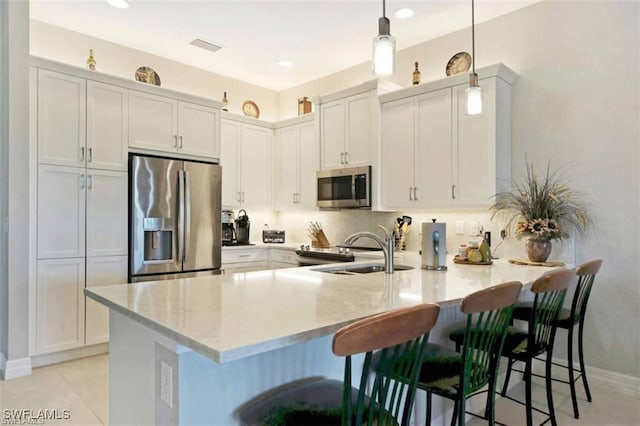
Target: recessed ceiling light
(206,45)
(403,13)
(121,4)
(285,64)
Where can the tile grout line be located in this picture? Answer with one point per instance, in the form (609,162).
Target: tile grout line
(81,398)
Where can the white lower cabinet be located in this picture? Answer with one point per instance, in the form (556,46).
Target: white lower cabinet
(101,271)
(279,258)
(244,260)
(60,304)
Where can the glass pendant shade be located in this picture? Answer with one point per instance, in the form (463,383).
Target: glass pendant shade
(384,51)
(474,100)
(474,95)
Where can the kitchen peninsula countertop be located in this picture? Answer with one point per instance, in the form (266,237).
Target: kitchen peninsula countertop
(230,317)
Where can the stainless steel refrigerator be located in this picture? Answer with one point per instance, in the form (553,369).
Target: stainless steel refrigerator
(174,226)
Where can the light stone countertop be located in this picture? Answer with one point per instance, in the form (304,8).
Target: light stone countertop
(229,317)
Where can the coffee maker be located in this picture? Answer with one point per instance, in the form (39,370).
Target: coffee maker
(229,236)
(242,227)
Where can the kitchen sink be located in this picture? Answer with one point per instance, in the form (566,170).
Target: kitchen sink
(360,269)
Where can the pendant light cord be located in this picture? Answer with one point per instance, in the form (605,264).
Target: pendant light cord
(473,38)
(384,9)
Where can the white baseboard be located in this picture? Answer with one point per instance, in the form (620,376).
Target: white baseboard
(14,368)
(69,355)
(609,380)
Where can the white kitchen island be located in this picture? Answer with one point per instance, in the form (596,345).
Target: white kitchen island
(193,351)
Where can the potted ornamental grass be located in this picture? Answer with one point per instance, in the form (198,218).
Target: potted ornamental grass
(542,208)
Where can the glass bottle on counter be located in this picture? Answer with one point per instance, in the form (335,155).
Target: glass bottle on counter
(416,75)
(91,62)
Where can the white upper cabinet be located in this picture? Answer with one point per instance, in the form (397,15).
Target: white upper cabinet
(61,211)
(153,122)
(296,162)
(245,157)
(198,130)
(107,126)
(165,124)
(347,130)
(61,119)
(435,155)
(107,218)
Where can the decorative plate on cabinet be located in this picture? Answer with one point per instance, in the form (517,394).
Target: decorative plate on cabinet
(460,62)
(147,75)
(250,109)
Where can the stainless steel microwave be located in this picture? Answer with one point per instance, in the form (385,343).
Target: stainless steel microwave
(344,188)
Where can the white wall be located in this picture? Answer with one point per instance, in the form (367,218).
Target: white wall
(576,104)
(3,176)
(15,146)
(72,48)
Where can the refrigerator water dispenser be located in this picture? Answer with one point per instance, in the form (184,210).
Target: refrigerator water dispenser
(158,238)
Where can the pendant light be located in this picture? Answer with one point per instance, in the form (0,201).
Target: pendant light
(474,92)
(384,47)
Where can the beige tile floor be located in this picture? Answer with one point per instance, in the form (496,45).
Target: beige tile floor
(81,387)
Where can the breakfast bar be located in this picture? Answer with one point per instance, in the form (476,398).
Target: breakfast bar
(193,351)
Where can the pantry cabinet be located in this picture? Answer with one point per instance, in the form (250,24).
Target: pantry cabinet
(81,208)
(61,118)
(101,271)
(107,126)
(81,123)
(60,304)
(437,156)
(165,124)
(246,164)
(295,165)
(347,130)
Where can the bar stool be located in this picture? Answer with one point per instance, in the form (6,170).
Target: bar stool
(458,376)
(568,319)
(400,336)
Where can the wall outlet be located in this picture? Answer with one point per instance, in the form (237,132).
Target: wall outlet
(474,229)
(166,383)
(460,227)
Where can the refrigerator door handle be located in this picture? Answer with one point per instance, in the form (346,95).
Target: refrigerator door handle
(181,215)
(187,234)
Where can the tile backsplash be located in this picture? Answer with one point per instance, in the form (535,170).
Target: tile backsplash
(337,225)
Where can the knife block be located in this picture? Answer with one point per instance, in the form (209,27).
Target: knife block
(431,260)
(322,240)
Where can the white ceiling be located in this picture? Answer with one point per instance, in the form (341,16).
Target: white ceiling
(318,37)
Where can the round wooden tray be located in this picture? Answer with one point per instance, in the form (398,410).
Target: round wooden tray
(456,259)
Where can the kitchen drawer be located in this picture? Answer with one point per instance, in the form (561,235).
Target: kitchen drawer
(244,255)
(233,268)
(283,256)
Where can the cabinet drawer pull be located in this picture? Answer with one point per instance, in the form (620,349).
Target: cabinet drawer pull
(244,255)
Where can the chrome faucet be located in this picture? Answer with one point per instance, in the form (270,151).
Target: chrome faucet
(386,245)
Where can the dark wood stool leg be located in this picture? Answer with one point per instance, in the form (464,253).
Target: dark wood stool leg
(581,357)
(427,421)
(506,379)
(528,400)
(572,383)
(552,411)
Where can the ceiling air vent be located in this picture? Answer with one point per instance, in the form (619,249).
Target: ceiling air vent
(205,45)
